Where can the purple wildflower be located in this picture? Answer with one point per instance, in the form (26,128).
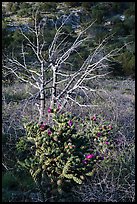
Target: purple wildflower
(110,127)
(89,156)
(99,134)
(84,161)
(59,106)
(94,117)
(43,126)
(108,132)
(49,132)
(49,110)
(97,153)
(70,123)
(107,143)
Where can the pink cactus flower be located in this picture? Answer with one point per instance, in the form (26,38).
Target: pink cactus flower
(89,156)
(59,107)
(70,123)
(110,127)
(99,134)
(84,161)
(42,127)
(94,118)
(49,132)
(49,110)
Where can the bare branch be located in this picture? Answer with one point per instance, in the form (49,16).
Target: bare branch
(81,105)
(21,78)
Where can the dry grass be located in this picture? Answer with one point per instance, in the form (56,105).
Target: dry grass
(114,180)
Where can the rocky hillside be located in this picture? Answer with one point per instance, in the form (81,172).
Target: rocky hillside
(117,18)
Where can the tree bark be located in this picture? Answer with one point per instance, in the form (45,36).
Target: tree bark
(42,103)
(42,95)
(54,87)
(53,92)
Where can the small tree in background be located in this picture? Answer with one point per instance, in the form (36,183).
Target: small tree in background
(50,67)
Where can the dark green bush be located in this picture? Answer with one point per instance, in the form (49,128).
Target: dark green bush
(9,181)
(127,60)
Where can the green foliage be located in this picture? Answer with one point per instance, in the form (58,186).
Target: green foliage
(47,6)
(87,5)
(6,36)
(116,6)
(73,4)
(17,37)
(9,181)
(9,6)
(14,97)
(4,138)
(98,13)
(22,13)
(67,151)
(127,60)
(15,7)
(6,195)
(130,9)
(15,181)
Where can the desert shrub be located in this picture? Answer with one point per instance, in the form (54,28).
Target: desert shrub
(16,185)
(124,65)
(73,4)
(63,153)
(15,97)
(127,60)
(9,181)
(49,6)
(9,6)
(15,7)
(87,5)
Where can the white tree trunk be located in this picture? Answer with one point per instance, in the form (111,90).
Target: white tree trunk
(54,87)
(42,94)
(42,104)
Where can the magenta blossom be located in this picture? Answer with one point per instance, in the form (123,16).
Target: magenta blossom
(84,161)
(89,156)
(102,158)
(70,123)
(49,110)
(110,127)
(99,134)
(94,117)
(59,107)
(107,143)
(49,132)
(43,126)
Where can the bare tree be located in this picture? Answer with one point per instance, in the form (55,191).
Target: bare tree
(64,82)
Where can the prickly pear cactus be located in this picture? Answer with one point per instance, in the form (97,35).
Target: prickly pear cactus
(65,151)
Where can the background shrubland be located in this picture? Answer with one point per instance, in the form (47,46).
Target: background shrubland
(114,180)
